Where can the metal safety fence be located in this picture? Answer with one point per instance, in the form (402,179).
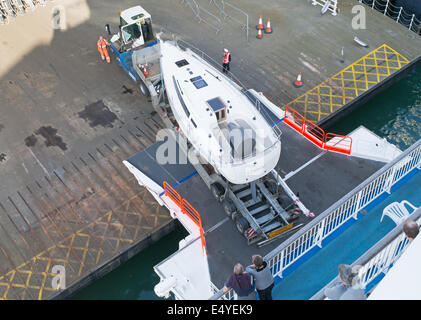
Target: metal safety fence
(204,15)
(313,234)
(224,10)
(228,10)
(9,9)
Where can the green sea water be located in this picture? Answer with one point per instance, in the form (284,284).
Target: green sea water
(394,114)
(135,279)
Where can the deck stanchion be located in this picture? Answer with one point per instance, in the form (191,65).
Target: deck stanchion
(385,9)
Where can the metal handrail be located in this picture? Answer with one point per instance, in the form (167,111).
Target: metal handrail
(10,8)
(197,9)
(221,8)
(379,258)
(187,209)
(347,207)
(347,197)
(209,60)
(316,134)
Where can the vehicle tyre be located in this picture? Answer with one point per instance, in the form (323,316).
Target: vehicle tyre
(218,191)
(242,224)
(235,215)
(272,186)
(144,89)
(229,207)
(284,201)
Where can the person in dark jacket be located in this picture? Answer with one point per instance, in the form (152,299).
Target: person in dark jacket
(263,277)
(241,282)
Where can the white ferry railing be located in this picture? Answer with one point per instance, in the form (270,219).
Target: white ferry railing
(347,208)
(396,13)
(379,258)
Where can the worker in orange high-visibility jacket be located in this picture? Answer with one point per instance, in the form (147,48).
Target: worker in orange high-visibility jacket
(104,43)
(99,44)
(226,61)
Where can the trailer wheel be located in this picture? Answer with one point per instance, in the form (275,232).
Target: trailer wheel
(229,207)
(144,89)
(218,191)
(272,186)
(242,224)
(285,201)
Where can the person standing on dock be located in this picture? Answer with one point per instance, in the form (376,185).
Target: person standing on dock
(263,277)
(99,44)
(226,61)
(345,288)
(102,48)
(241,283)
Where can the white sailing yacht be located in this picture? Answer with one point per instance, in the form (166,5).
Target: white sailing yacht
(222,124)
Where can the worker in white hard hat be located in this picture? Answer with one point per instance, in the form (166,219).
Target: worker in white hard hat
(226,61)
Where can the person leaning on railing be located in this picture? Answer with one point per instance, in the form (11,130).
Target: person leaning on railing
(411,229)
(240,282)
(346,287)
(264,279)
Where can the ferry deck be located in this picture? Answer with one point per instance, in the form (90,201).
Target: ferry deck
(319,177)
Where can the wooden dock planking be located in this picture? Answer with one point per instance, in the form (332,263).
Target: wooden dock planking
(81,217)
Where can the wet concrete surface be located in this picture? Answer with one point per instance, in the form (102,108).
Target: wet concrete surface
(98,114)
(51,138)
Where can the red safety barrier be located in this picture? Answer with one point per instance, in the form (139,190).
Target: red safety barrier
(314,133)
(191,212)
(327,141)
(170,192)
(187,209)
(294,119)
(338,143)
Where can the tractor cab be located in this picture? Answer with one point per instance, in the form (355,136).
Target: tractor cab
(135,30)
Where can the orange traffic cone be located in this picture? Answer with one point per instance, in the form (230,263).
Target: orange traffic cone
(260,25)
(298,83)
(259,34)
(268,28)
(145,72)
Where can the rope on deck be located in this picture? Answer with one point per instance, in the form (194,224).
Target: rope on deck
(398,14)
